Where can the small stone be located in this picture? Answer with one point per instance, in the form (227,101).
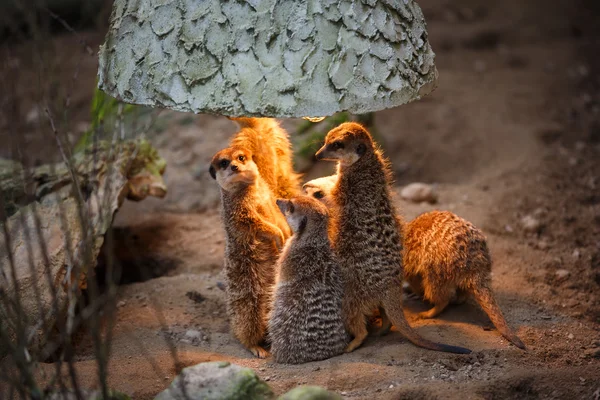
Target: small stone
(576,254)
(530,224)
(542,245)
(193,334)
(562,273)
(419,192)
(121,304)
(508,228)
(391,387)
(267,378)
(573,161)
(33,115)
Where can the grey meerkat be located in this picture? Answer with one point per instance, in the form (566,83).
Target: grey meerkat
(255,232)
(306,321)
(445,259)
(367,235)
(272,153)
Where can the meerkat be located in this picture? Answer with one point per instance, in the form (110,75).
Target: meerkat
(446,258)
(306,321)
(255,232)
(367,235)
(272,153)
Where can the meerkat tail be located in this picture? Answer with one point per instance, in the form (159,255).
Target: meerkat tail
(393,308)
(485,298)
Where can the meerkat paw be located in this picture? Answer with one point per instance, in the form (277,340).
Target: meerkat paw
(433,312)
(259,352)
(354,344)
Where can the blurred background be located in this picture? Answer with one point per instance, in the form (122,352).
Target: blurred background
(510,140)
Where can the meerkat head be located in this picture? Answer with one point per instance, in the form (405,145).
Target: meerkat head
(321,189)
(346,144)
(233,168)
(303,212)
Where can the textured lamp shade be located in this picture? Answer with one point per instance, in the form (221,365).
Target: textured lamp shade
(267,58)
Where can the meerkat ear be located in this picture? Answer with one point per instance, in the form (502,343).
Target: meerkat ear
(361,149)
(212,172)
(282,204)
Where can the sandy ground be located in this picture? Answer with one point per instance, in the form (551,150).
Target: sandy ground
(512,131)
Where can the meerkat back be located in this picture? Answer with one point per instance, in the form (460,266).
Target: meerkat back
(306,321)
(446,258)
(272,151)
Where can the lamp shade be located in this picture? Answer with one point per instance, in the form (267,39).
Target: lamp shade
(266,57)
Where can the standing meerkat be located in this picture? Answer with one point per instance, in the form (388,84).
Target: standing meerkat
(306,321)
(272,153)
(255,232)
(446,257)
(366,235)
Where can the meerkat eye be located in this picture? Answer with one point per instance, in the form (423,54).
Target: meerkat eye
(241,158)
(291,208)
(337,145)
(318,195)
(223,164)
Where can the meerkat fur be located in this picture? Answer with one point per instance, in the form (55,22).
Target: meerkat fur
(446,258)
(367,235)
(272,153)
(306,321)
(255,232)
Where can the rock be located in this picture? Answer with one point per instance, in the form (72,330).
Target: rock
(531,224)
(216,381)
(570,336)
(310,393)
(419,192)
(562,273)
(193,334)
(576,254)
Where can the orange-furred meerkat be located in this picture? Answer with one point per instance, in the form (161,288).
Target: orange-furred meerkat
(367,235)
(255,232)
(271,151)
(446,257)
(306,321)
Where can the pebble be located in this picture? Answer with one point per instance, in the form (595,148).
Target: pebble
(193,334)
(267,378)
(121,304)
(508,228)
(576,254)
(530,224)
(419,192)
(562,273)
(571,336)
